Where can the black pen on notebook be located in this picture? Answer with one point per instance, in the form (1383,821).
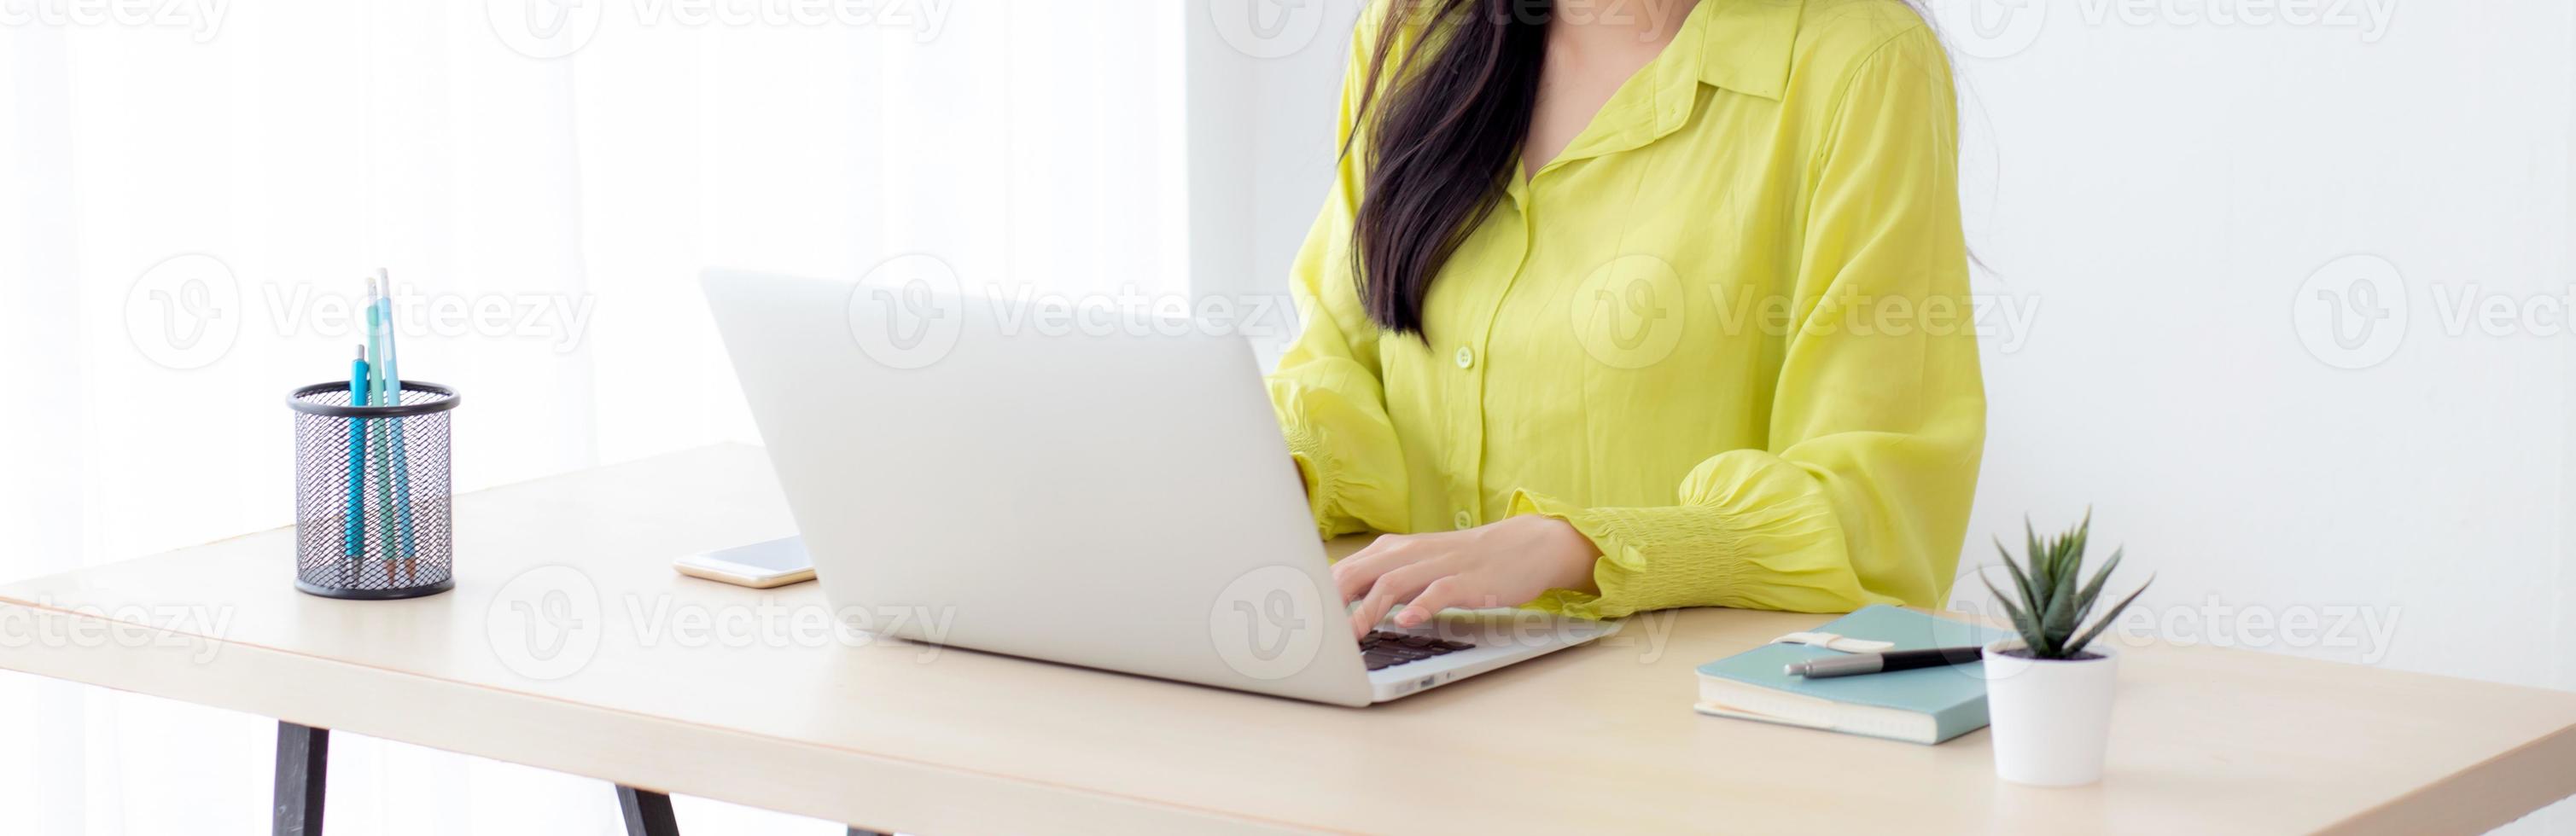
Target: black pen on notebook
(1855,664)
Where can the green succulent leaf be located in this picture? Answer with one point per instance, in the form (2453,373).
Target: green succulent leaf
(2107,618)
(2059,617)
(2073,553)
(2020,581)
(2021,620)
(2056,600)
(2093,588)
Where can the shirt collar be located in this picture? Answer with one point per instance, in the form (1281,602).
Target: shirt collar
(1739,45)
(1743,45)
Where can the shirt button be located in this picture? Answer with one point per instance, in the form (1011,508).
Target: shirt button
(1466,521)
(1466,358)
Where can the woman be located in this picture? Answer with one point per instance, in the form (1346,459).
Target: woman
(1619,305)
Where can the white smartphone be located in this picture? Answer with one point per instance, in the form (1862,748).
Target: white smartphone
(760,565)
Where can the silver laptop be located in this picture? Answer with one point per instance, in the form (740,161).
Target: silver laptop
(1061,483)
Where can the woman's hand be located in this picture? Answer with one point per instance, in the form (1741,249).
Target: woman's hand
(1497,564)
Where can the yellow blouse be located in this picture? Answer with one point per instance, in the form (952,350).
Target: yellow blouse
(1726,334)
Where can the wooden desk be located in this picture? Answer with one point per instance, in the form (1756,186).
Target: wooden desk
(903,737)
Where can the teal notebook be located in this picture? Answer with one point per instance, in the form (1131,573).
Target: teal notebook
(1926,705)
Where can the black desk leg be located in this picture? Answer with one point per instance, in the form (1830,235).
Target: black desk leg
(303,760)
(648,813)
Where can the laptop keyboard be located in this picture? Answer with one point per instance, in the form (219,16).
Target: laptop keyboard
(1383,649)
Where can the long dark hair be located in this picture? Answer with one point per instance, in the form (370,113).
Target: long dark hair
(1441,146)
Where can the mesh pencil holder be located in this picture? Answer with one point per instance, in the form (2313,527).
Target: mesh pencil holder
(372,518)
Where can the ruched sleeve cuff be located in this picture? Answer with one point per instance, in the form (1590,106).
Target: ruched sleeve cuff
(1751,530)
(1336,426)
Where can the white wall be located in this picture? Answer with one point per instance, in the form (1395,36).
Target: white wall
(2155,186)
(298,143)
(1262,101)
(2166,190)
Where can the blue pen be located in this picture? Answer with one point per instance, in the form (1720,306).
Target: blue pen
(378,395)
(353,521)
(393,393)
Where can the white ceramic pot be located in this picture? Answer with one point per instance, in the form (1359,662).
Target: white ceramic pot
(2051,719)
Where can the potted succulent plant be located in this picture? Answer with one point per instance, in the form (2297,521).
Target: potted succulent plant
(2048,691)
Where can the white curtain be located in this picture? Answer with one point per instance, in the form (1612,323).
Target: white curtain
(190,199)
